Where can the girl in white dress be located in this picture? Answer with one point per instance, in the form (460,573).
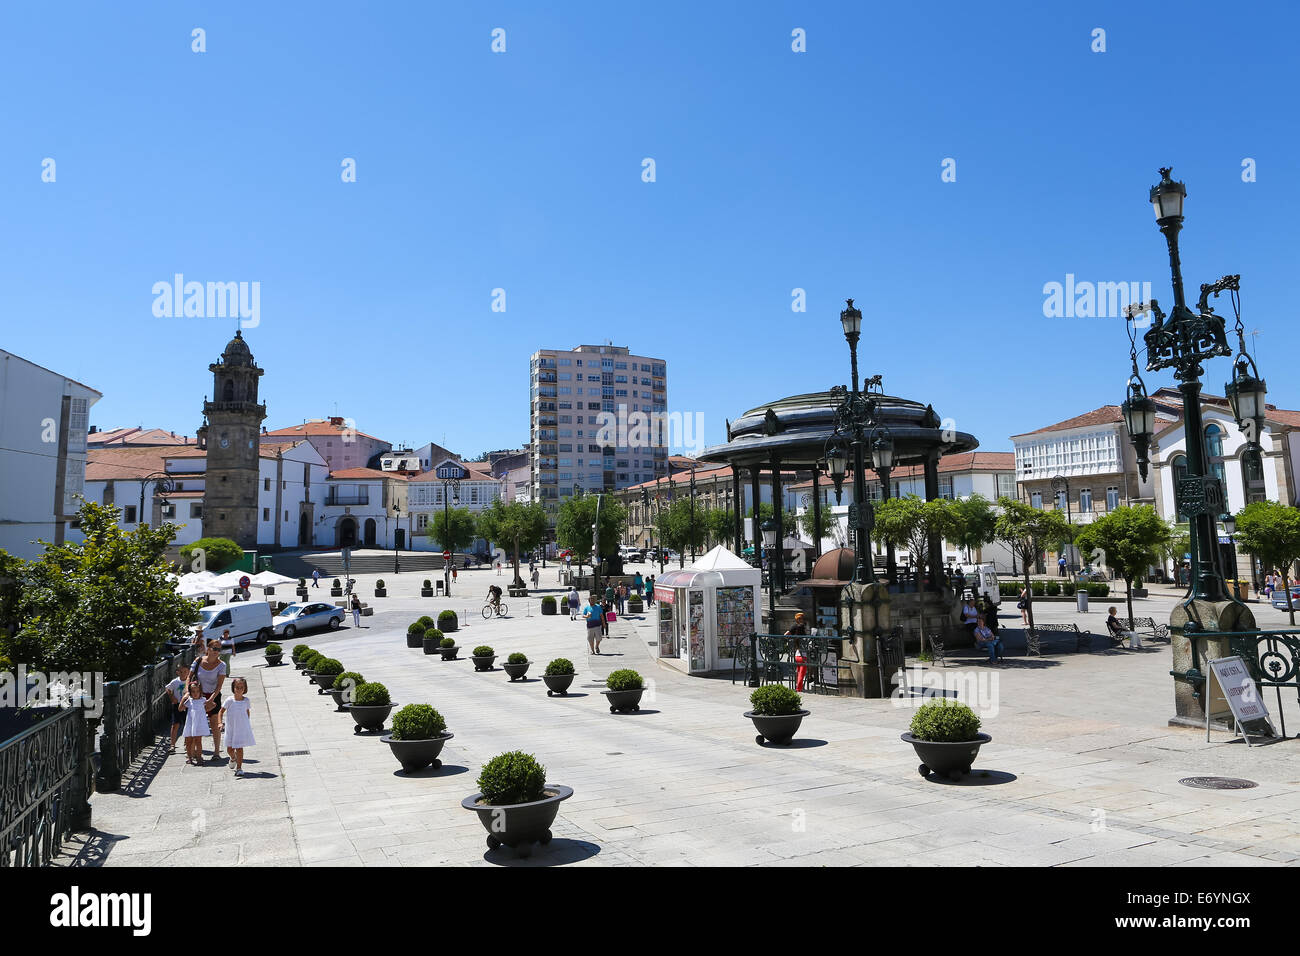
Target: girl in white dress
(196,723)
(235,714)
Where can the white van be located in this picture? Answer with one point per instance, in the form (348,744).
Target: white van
(983,582)
(246,621)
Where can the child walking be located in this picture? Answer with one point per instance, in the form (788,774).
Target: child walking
(176,688)
(235,714)
(196,723)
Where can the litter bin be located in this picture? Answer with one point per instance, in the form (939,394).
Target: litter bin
(438,587)
(1081,596)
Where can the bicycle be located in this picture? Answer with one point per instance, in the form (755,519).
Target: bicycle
(500,610)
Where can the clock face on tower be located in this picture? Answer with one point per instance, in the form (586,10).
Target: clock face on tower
(225,442)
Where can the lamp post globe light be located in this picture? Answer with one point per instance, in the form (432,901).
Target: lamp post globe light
(1182,342)
(163,485)
(770,530)
(397,521)
(858,431)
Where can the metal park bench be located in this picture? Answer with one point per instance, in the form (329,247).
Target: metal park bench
(1147,625)
(1033,637)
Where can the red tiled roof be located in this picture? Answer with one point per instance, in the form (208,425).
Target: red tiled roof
(1106,415)
(265,450)
(315,427)
(125,463)
(475,470)
(137,436)
(344,473)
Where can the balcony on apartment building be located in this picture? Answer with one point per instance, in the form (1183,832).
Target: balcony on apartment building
(347,497)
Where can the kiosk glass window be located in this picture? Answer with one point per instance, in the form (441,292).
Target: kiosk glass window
(735,620)
(667,633)
(699,659)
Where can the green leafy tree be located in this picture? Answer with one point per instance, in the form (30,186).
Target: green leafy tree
(1024,530)
(1133,537)
(211,554)
(1179,545)
(676,530)
(788,520)
(106,604)
(517,524)
(454,529)
(576,522)
(810,527)
(974,524)
(719,525)
(914,523)
(1271,532)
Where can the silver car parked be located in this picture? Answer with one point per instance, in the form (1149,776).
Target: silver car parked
(307,617)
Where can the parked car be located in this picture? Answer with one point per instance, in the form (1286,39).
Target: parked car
(307,617)
(1279,598)
(246,621)
(634,557)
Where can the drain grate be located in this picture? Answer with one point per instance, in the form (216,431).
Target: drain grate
(1218,783)
(613,753)
(295,753)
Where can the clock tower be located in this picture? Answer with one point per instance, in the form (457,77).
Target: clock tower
(231,435)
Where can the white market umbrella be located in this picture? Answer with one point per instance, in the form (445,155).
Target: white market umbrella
(269,579)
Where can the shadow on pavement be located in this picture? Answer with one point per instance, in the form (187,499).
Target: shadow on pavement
(557,853)
(976,778)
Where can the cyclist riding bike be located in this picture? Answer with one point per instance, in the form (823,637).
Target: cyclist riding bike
(494,595)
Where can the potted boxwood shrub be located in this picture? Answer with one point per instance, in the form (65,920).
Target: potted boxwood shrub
(548,604)
(417,738)
(336,589)
(516,665)
(483,657)
(327,668)
(426,590)
(634,604)
(298,656)
(777,713)
(302,587)
(564,604)
(558,676)
(624,690)
(344,688)
(946,736)
(515,804)
(415,634)
(427,622)
(370,707)
(448,647)
(432,640)
(309,662)
(448,622)
(380,590)
(274,653)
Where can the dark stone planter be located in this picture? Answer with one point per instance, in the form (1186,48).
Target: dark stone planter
(324,681)
(309,674)
(301,592)
(951,760)
(425,592)
(336,592)
(778,728)
(635,608)
(548,609)
(338,698)
(558,684)
(381,592)
(519,825)
(483,663)
(415,755)
(268,591)
(431,645)
(370,717)
(449,653)
(516,671)
(622,701)
(414,640)
(273,660)
(449,626)
(564,606)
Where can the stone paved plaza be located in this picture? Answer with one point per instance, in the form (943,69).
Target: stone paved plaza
(1083,768)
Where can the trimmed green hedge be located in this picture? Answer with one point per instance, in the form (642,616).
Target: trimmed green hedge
(944,721)
(559,666)
(513,777)
(773,700)
(624,679)
(371,695)
(417,722)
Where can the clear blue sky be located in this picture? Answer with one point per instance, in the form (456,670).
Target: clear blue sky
(522,170)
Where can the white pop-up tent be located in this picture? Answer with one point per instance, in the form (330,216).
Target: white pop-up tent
(705,610)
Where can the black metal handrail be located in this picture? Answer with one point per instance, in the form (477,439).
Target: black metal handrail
(44,789)
(134,711)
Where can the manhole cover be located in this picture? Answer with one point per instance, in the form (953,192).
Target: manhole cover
(1218,783)
(295,753)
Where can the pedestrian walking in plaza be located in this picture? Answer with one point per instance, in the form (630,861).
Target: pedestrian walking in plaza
(609,594)
(356,611)
(315,578)
(575,604)
(650,591)
(196,723)
(605,608)
(1060,564)
(177,689)
(595,623)
(536,577)
(236,722)
(621,594)
(1023,605)
(211,676)
(498,569)
(638,584)
(453,575)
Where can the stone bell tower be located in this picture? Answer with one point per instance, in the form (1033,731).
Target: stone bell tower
(231,434)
